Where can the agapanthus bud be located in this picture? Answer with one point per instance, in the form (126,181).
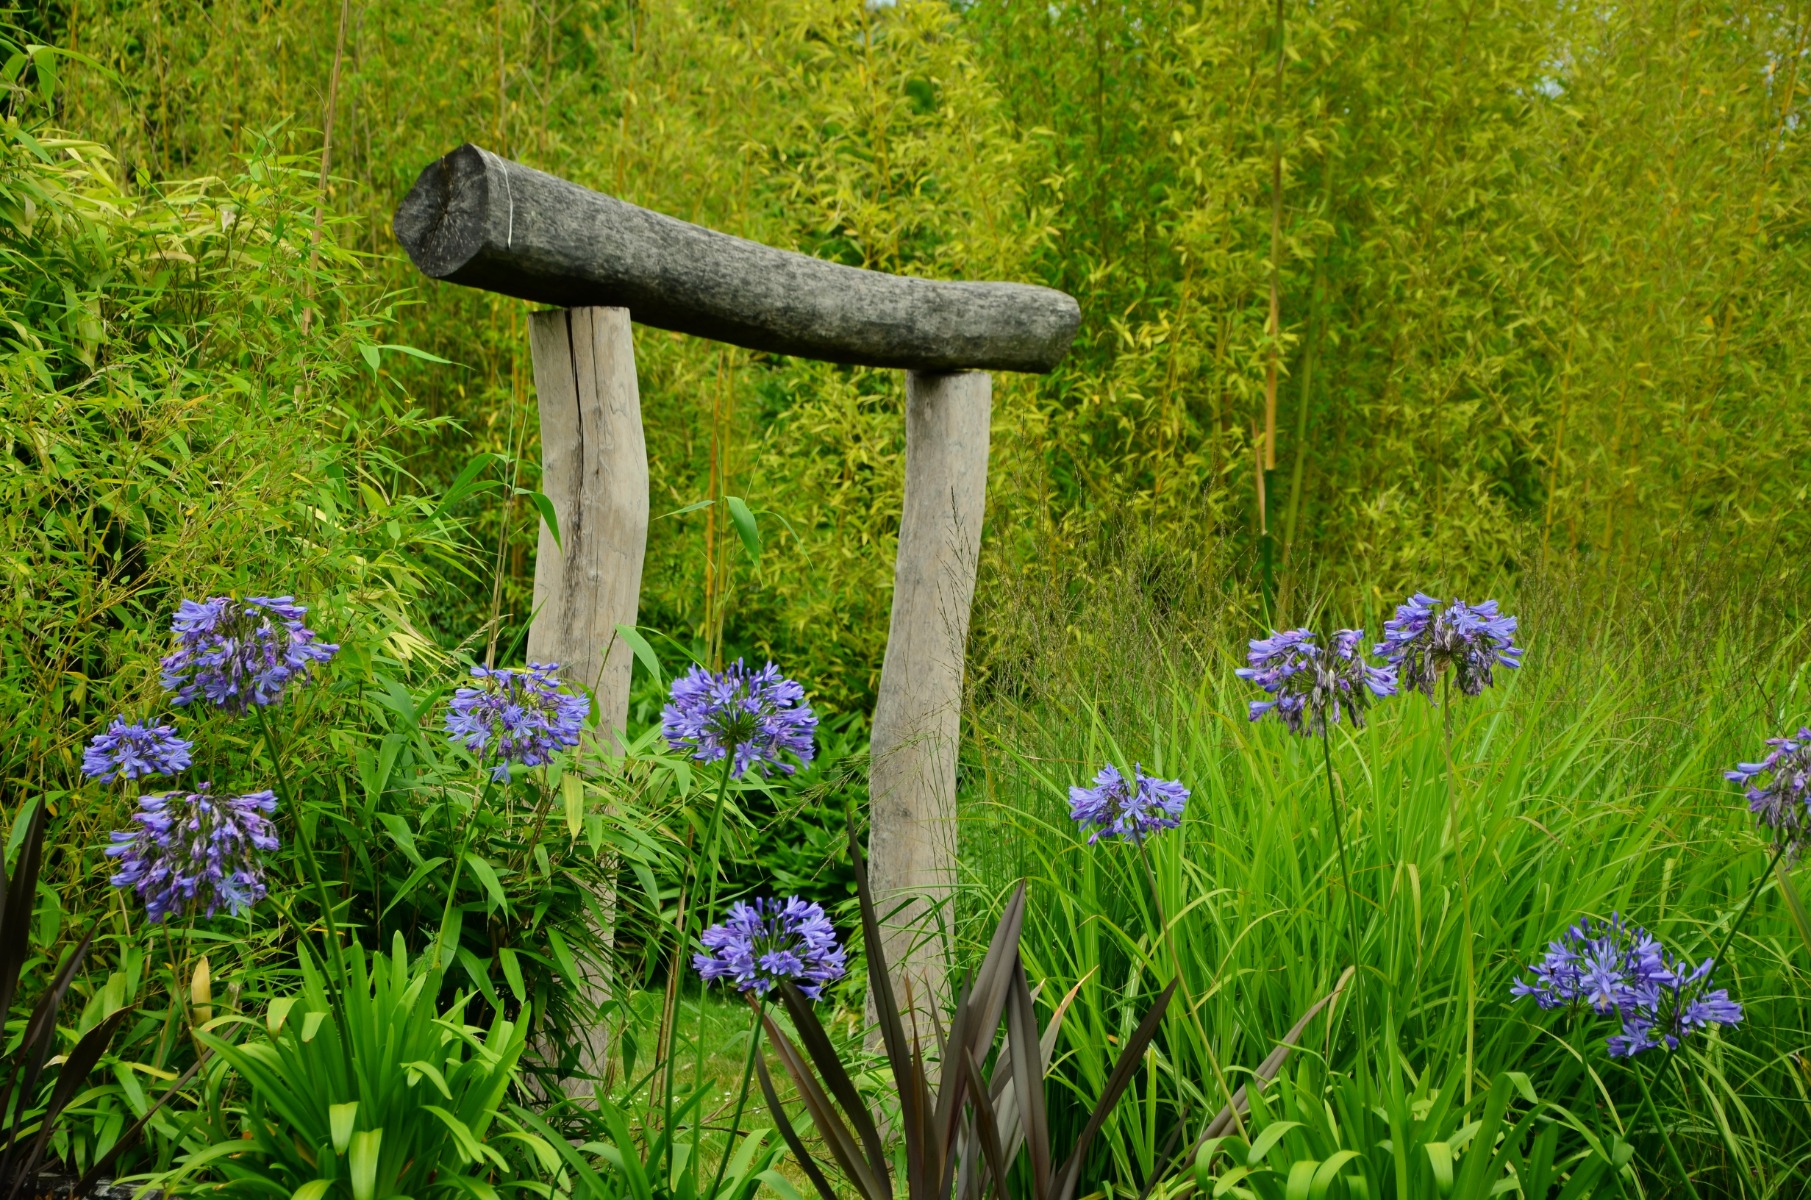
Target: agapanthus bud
(1618,969)
(1470,639)
(196,851)
(1313,687)
(1114,807)
(1779,791)
(751,716)
(527,713)
(135,750)
(770,942)
(237,653)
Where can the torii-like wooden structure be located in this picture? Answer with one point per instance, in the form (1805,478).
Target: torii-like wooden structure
(483,221)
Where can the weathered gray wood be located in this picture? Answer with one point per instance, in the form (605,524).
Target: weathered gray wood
(594,467)
(917,715)
(483,221)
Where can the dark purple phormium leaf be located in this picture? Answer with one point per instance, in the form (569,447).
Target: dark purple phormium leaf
(936,1125)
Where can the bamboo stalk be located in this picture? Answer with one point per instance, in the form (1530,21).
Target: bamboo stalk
(320,206)
(1273,329)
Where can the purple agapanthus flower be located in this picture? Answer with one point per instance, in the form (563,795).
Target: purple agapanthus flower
(517,716)
(752,717)
(196,851)
(770,942)
(1114,807)
(134,750)
(1311,686)
(236,653)
(1472,639)
(1779,790)
(1618,969)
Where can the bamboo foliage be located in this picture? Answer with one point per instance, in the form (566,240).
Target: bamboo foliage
(1545,259)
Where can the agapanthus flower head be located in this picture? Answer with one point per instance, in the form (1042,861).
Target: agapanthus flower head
(133,750)
(1132,809)
(1618,969)
(1779,790)
(769,942)
(750,717)
(235,653)
(196,852)
(1472,640)
(1313,686)
(516,716)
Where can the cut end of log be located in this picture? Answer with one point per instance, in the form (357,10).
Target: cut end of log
(475,219)
(441,222)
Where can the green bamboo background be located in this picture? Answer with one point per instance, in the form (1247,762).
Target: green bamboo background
(1538,269)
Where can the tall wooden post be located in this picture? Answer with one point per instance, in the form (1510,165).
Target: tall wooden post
(917,716)
(594,467)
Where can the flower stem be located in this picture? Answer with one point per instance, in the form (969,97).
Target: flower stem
(1188,997)
(682,920)
(1754,893)
(1345,870)
(1453,818)
(307,844)
(452,887)
(1672,1151)
(748,1070)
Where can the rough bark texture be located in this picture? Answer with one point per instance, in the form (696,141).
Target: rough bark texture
(483,221)
(917,716)
(594,467)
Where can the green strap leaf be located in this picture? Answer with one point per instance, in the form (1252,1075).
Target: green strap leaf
(1795,903)
(644,652)
(487,875)
(572,791)
(744,520)
(545,506)
(340,1119)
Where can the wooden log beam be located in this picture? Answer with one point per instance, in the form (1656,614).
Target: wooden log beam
(917,716)
(483,221)
(594,467)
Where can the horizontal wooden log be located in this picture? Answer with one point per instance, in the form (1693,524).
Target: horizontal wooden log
(483,221)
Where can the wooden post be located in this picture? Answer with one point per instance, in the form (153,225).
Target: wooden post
(594,467)
(917,716)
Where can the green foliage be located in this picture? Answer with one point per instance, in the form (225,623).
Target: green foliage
(1588,783)
(614,1163)
(185,413)
(1535,272)
(1315,1137)
(361,1088)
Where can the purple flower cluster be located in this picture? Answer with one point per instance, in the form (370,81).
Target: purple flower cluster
(751,717)
(1779,790)
(237,653)
(1425,639)
(527,712)
(196,851)
(1133,810)
(771,942)
(1622,970)
(134,750)
(1312,686)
